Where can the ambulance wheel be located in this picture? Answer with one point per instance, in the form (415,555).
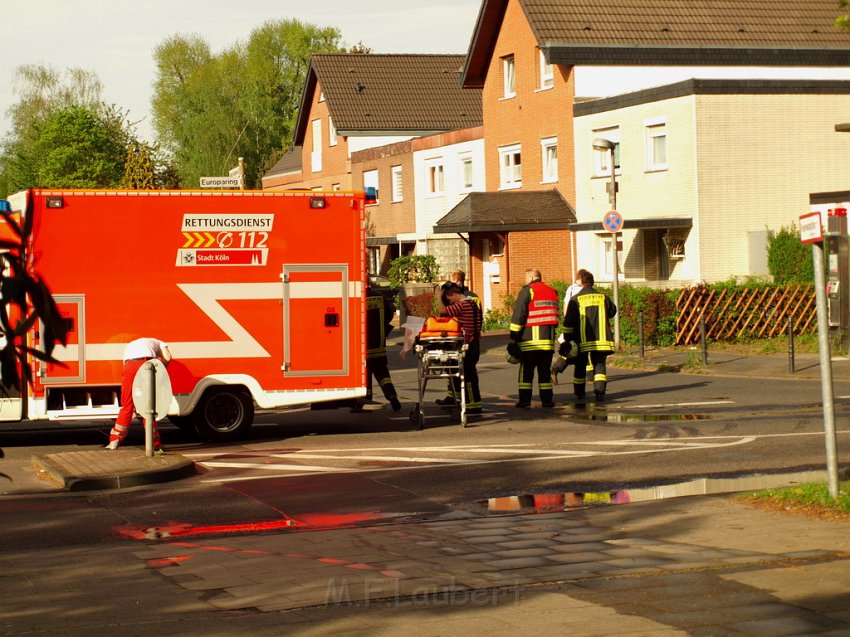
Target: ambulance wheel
(224,414)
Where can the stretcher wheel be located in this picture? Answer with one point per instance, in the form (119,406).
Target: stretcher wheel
(417,417)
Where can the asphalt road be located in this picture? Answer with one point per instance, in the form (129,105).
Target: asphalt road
(321,468)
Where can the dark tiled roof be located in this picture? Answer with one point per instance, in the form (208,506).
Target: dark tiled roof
(508,211)
(712,87)
(391,94)
(671,32)
(290,162)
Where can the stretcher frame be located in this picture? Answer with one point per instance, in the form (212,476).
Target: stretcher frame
(440,357)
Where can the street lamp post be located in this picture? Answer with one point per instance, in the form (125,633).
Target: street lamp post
(603,145)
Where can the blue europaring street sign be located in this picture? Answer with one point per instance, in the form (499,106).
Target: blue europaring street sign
(612,221)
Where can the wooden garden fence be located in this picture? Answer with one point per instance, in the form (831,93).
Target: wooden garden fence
(735,313)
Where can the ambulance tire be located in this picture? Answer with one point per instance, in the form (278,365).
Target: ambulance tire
(224,414)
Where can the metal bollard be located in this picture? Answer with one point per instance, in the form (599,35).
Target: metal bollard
(702,342)
(790,344)
(150,410)
(640,333)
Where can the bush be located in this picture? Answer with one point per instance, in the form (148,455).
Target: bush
(499,318)
(420,268)
(659,315)
(788,260)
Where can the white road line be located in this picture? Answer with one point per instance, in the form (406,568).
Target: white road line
(325,456)
(260,465)
(471,462)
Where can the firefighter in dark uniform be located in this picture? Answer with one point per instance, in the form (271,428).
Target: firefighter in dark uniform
(587,322)
(533,325)
(379,315)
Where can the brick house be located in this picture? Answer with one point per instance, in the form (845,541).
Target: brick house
(525,56)
(358,117)
(523,63)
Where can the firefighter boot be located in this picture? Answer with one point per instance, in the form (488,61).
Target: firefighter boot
(524,401)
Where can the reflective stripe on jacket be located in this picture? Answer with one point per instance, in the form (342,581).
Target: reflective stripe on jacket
(587,321)
(535,317)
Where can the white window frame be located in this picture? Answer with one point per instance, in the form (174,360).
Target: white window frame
(656,129)
(331,132)
(508,76)
(370,178)
(549,159)
(435,176)
(316,154)
(510,167)
(397,184)
(547,72)
(601,157)
(467,170)
(607,261)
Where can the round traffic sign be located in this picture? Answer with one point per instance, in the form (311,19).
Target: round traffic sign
(612,221)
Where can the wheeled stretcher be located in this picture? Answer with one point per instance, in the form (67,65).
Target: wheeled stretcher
(441,357)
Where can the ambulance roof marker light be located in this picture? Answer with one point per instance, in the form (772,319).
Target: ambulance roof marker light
(5,206)
(318,202)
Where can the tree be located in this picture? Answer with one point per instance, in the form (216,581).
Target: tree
(208,110)
(843,21)
(43,90)
(146,168)
(64,135)
(73,148)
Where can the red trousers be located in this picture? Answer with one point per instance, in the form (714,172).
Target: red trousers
(128,408)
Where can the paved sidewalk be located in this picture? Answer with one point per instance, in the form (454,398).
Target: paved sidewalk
(106,469)
(687,566)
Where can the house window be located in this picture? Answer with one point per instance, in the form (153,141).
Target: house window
(370,180)
(335,187)
(397,194)
(656,146)
(331,132)
(547,72)
(434,171)
(316,155)
(510,167)
(508,76)
(602,158)
(549,149)
(608,258)
(466,174)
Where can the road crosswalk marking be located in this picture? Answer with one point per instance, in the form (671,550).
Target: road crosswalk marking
(409,458)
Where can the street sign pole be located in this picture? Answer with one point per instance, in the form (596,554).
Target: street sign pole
(612,222)
(825,371)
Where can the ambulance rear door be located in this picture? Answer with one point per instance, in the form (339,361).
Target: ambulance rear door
(315,320)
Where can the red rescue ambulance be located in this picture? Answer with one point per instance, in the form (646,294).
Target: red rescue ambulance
(259,294)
